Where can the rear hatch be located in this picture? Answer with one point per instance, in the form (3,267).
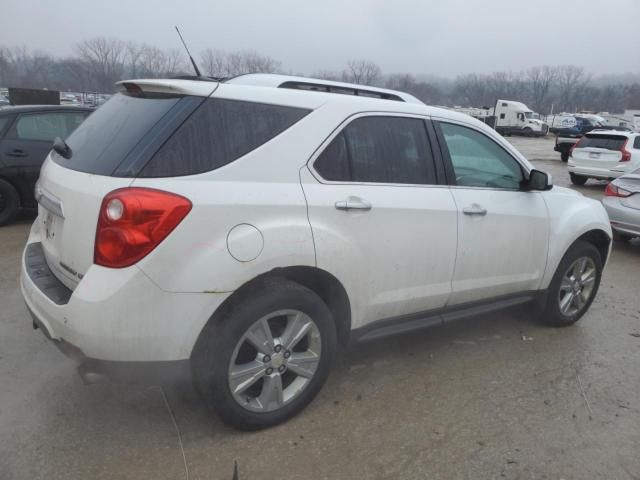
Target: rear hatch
(599,150)
(107,151)
(630,183)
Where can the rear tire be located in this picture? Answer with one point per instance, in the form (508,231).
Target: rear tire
(9,202)
(578,179)
(572,290)
(564,156)
(264,397)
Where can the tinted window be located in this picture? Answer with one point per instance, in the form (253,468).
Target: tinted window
(101,143)
(636,143)
(3,122)
(46,126)
(218,133)
(609,142)
(478,161)
(379,150)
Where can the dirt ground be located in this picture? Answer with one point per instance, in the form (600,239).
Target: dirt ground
(492,397)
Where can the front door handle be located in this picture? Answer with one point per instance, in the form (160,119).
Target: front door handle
(474,209)
(353,203)
(17,153)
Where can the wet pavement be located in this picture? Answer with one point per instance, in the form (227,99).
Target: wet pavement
(491,397)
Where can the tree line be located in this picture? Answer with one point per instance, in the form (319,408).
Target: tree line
(97,63)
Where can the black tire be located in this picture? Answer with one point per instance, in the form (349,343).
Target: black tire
(527,132)
(564,156)
(9,202)
(578,179)
(551,314)
(216,344)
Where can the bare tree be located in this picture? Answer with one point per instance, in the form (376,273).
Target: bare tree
(104,60)
(572,81)
(326,75)
(540,80)
(214,63)
(362,72)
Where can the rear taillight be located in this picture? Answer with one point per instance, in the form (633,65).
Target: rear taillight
(573,147)
(133,221)
(626,154)
(613,191)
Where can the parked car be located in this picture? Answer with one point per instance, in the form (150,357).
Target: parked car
(245,231)
(622,203)
(26,135)
(566,138)
(604,154)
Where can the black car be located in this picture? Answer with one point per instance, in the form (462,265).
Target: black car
(26,135)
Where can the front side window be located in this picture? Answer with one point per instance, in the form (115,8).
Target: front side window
(478,161)
(379,150)
(47,126)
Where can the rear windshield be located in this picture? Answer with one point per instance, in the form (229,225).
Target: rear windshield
(105,138)
(609,142)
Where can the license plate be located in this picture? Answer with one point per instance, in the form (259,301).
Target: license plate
(594,155)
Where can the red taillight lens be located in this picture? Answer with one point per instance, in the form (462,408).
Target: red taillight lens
(626,154)
(613,191)
(573,147)
(133,221)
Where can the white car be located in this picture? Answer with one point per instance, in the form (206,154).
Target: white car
(246,231)
(604,154)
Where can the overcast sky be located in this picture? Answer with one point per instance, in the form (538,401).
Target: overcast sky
(435,37)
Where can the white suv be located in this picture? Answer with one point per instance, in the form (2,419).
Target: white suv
(248,230)
(604,154)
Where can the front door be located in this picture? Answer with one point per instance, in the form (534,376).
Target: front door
(503,230)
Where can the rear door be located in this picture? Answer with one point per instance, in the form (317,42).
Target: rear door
(28,142)
(381,221)
(502,231)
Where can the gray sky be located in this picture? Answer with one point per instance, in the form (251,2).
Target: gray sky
(435,37)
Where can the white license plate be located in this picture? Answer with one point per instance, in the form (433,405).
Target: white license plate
(594,155)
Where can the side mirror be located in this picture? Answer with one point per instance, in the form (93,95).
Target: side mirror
(61,148)
(539,180)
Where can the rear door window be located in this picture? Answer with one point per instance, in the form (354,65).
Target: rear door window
(46,126)
(218,133)
(608,142)
(379,150)
(636,143)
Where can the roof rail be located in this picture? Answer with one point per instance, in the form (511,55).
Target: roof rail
(319,87)
(201,78)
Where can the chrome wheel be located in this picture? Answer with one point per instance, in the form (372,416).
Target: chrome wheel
(274,361)
(577,286)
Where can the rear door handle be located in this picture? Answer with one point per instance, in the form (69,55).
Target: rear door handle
(353,203)
(17,153)
(474,209)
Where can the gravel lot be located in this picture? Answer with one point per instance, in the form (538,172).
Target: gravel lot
(492,397)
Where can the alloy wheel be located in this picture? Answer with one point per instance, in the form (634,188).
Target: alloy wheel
(577,286)
(274,361)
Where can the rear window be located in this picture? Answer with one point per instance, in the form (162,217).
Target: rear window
(218,133)
(609,142)
(101,143)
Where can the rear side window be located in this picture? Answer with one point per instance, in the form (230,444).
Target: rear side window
(636,143)
(218,133)
(379,150)
(46,126)
(609,142)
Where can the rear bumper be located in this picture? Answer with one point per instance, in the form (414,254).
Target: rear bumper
(119,315)
(623,219)
(597,172)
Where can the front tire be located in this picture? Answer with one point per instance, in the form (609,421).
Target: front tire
(578,179)
(266,356)
(9,202)
(564,156)
(574,285)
